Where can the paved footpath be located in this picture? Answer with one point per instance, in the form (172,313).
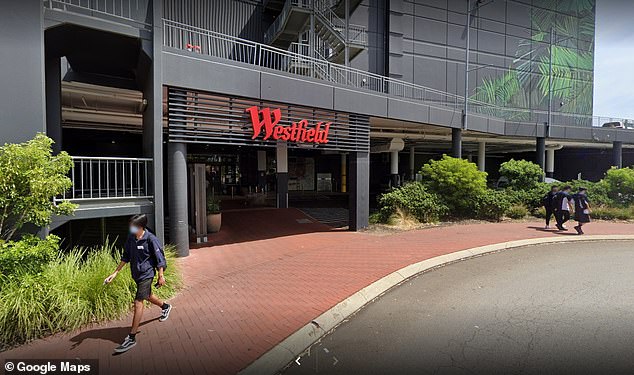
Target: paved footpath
(244,296)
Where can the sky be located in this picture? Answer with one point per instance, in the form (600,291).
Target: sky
(614,59)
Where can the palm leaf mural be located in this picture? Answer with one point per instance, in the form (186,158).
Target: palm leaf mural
(525,84)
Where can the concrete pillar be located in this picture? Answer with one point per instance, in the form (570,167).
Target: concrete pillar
(261,170)
(541,152)
(344,173)
(281,152)
(617,154)
(412,163)
(54,101)
(359,188)
(177,177)
(456,143)
(482,149)
(394,177)
(550,162)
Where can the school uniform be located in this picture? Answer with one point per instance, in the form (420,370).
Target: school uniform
(144,255)
(561,208)
(547,202)
(582,213)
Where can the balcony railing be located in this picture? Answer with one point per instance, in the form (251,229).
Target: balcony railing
(298,61)
(134,11)
(98,178)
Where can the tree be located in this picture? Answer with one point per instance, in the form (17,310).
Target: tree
(31,178)
(522,174)
(458,181)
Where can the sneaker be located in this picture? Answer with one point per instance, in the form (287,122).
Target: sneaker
(560,227)
(547,227)
(165,313)
(578,229)
(127,344)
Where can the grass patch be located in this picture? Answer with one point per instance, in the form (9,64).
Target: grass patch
(69,293)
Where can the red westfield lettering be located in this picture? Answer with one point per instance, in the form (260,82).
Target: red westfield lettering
(268,119)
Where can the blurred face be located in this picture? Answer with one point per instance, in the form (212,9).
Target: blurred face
(554,189)
(134,229)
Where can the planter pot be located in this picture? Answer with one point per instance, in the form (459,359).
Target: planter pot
(213,222)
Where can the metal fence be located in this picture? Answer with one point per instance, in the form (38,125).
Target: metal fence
(97,178)
(298,61)
(128,10)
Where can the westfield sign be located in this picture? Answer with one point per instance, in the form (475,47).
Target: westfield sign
(267,120)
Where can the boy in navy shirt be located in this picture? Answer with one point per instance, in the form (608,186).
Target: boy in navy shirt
(145,254)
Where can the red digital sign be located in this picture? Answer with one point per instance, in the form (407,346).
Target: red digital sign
(267,119)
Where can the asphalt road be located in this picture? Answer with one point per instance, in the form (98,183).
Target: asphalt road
(551,309)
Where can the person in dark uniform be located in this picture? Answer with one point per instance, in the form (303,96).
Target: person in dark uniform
(562,206)
(582,208)
(548,203)
(145,254)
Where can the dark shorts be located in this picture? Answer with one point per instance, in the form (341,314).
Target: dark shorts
(143,289)
(581,217)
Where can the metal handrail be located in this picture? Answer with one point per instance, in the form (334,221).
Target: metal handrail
(357,34)
(179,36)
(100,178)
(121,9)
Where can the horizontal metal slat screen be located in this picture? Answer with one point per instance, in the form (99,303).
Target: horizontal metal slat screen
(200,117)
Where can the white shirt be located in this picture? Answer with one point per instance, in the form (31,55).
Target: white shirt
(564,204)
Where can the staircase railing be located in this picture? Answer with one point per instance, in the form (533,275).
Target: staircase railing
(277,25)
(357,34)
(98,178)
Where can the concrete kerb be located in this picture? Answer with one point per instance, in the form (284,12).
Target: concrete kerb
(297,343)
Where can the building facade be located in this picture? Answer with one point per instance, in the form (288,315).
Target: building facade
(168,105)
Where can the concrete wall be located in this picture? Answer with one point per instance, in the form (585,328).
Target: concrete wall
(22,77)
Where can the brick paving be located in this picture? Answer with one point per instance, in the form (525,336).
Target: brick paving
(265,276)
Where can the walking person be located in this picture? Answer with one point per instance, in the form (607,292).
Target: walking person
(562,207)
(548,203)
(582,208)
(145,254)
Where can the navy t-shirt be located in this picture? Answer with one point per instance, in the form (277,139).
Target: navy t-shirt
(144,255)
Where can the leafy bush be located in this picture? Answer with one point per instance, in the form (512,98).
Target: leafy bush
(69,293)
(530,198)
(522,174)
(612,213)
(491,205)
(597,191)
(619,185)
(413,200)
(456,181)
(29,255)
(517,212)
(31,177)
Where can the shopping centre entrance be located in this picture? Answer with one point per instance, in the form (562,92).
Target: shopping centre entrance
(244,154)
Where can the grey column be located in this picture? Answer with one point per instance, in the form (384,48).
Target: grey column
(261,170)
(54,101)
(617,154)
(456,143)
(540,156)
(550,162)
(177,176)
(412,162)
(359,188)
(282,174)
(482,149)
(394,176)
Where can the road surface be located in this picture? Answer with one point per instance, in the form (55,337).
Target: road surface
(551,309)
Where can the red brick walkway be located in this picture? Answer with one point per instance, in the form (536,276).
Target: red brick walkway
(242,298)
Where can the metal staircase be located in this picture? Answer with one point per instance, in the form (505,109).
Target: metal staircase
(329,27)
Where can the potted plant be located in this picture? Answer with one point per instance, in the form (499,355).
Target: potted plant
(214,217)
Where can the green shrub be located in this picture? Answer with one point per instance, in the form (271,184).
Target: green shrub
(69,293)
(612,213)
(456,181)
(413,200)
(491,205)
(619,185)
(597,191)
(28,255)
(530,198)
(517,212)
(521,174)
(540,213)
